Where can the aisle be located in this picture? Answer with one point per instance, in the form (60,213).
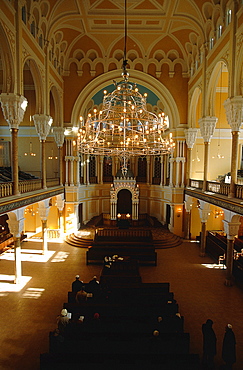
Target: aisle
(30,313)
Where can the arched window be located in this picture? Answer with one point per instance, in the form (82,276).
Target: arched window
(219,31)
(32,28)
(211,43)
(24,14)
(92,170)
(228,16)
(157,170)
(107,169)
(41,41)
(142,169)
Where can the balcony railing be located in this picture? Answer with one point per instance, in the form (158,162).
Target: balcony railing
(218,187)
(6,188)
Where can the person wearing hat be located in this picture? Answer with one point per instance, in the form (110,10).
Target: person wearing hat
(62,321)
(93,286)
(228,349)
(77,284)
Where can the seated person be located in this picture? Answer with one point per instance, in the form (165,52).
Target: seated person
(94,286)
(62,321)
(81,296)
(77,284)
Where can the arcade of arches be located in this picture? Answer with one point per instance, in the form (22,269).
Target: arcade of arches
(58,57)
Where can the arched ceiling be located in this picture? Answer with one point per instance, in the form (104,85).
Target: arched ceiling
(167,24)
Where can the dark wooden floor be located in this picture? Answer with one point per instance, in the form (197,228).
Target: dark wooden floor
(30,313)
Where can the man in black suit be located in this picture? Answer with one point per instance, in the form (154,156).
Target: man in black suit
(77,284)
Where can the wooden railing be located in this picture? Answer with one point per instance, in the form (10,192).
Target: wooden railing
(6,188)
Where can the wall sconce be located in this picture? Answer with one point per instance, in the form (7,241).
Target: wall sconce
(119,215)
(218,213)
(128,215)
(179,212)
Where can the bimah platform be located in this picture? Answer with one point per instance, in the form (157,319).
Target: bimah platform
(134,243)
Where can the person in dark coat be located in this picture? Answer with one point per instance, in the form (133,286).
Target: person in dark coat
(77,284)
(228,349)
(93,286)
(209,344)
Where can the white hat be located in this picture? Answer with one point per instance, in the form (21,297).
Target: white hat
(64,312)
(229,326)
(77,276)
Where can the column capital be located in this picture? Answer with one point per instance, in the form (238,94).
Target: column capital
(231,229)
(13,107)
(204,211)
(234,112)
(16,222)
(43,124)
(59,136)
(190,135)
(207,126)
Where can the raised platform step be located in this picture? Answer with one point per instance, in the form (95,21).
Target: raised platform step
(162,238)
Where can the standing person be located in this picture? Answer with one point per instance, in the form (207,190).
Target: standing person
(228,349)
(77,284)
(209,344)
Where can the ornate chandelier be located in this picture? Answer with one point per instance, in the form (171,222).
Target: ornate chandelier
(124,127)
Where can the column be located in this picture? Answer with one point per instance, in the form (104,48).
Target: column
(101,162)
(188,207)
(234,113)
(87,169)
(171,161)
(231,229)
(60,205)
(77,160)
(207,126)
(43,210)
(204,212)
(183,160)
(43,124)
(44,236)
(13,107)
(190,135)
(66,161)
(148,161)
(177,171)
(59,139)
(16,225)
(162,170)
(71,171)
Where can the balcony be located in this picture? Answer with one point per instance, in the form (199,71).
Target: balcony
(30,192)
(217,193)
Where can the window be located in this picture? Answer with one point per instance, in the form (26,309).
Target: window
(142,169)
(24,14)
(92,169)
(219,31)
(32,28)
(228,16)
(107,167)
(211,43)
(157,167)
(41,41)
